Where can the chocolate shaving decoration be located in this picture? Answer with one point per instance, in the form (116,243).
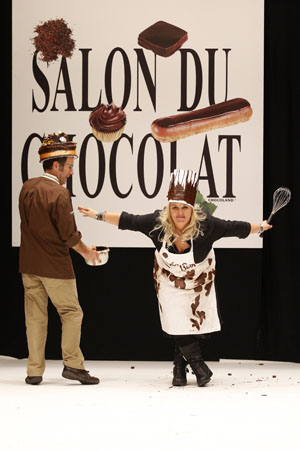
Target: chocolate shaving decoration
(201,278)
(208,288)
(195,305)
(198,288)
(156,286)
(179,283)
(201,315)
(190,274)
(210,275)
(195,324)
(200,281)
(166,272)
(53,39)
(156,266)
(155,269)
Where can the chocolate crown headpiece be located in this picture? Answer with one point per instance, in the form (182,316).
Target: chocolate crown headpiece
(57,146)
(183,186)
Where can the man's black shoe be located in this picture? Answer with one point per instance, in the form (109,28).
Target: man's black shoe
(33,380)
(79,375)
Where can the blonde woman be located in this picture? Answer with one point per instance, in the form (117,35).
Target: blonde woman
(184,267)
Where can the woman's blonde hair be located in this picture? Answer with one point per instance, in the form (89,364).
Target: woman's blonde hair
(168,230)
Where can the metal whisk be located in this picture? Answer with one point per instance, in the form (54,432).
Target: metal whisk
(281,198)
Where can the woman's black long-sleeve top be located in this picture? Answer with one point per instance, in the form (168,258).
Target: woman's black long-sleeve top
(212,227)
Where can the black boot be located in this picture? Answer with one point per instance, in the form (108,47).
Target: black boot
(193,355)
(179,369)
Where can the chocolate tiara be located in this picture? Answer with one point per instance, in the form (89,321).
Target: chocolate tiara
(183,186)
(57,146)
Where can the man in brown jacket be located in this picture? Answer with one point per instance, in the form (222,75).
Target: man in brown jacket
(48,231)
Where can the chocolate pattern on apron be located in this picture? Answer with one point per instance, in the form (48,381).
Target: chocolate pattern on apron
(186,292)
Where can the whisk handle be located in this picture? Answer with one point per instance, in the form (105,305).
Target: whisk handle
(269,220)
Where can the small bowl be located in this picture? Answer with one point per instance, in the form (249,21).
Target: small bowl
(103,253)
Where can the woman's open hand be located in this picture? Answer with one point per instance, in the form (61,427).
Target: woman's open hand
(87,212)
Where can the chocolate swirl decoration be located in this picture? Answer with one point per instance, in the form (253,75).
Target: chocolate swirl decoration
(107,118)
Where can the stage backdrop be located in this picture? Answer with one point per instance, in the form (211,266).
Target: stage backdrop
(220,59)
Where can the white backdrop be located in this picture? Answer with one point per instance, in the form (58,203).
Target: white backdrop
(231,31)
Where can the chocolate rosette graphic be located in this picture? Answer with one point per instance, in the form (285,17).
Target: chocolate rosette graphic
(107,122)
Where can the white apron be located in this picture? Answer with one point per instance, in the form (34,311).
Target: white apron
(186,292)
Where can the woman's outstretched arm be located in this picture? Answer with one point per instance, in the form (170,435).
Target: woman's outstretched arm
(108,217)
(259,228)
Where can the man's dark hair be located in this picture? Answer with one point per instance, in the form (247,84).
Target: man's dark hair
(47,165)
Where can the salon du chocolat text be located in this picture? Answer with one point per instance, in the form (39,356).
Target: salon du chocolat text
(133,75)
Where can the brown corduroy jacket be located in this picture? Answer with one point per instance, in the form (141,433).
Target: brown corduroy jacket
(48,229)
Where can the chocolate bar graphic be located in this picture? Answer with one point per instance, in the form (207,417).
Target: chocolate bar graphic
(162,38)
